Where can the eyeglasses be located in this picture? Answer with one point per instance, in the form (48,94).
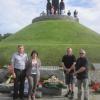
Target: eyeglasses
(81,53)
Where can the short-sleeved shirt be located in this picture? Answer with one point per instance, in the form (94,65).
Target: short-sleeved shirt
(82,62)
(19,60)
(68,61)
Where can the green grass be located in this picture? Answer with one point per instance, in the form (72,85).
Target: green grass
(55,32)
(50,39)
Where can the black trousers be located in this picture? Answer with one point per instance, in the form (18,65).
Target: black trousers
(19,83)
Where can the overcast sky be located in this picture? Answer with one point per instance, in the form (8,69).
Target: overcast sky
(16,14)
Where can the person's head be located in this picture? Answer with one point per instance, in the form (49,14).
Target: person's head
(52,6)
(21,48)
(82,53)
(69,51)
(48,0)
(34,54)
(61,0)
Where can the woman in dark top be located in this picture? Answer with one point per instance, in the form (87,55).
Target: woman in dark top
(33,74)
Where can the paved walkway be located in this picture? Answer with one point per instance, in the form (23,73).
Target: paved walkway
(92,97)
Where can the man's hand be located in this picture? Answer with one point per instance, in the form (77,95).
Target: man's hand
(14,75)
(68,70)
(80,70)
(10,69)
(75,73)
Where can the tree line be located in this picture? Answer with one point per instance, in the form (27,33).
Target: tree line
(4,36)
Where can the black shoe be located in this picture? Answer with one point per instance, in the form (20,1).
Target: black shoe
(15,98)
(66,95)
(21,98)
(71,96)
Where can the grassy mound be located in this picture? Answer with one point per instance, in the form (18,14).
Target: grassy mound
(50,39)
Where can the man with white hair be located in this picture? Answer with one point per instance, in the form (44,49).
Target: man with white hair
(82,75)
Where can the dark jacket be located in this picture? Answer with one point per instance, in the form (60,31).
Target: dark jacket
(82,62)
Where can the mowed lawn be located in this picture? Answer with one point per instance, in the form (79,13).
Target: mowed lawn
(50,54)
(50,39)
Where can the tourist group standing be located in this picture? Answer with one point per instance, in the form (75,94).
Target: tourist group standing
(24,66)
(79,68)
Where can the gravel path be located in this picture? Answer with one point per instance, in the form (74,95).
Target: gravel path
(92,96)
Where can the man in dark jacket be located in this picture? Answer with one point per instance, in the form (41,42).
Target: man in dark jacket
(82,75)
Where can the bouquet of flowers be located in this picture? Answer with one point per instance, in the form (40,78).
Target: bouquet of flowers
(53,82)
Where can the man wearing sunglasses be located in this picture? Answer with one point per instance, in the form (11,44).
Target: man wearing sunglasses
(82,75)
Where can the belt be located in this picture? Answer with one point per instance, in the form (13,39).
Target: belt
(19,69)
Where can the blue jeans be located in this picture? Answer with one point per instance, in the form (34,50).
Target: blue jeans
(85,84)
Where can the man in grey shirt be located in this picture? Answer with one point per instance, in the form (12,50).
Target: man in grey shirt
(18,61)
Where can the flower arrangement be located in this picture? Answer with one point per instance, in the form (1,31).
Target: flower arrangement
(53,82)
(95,86)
